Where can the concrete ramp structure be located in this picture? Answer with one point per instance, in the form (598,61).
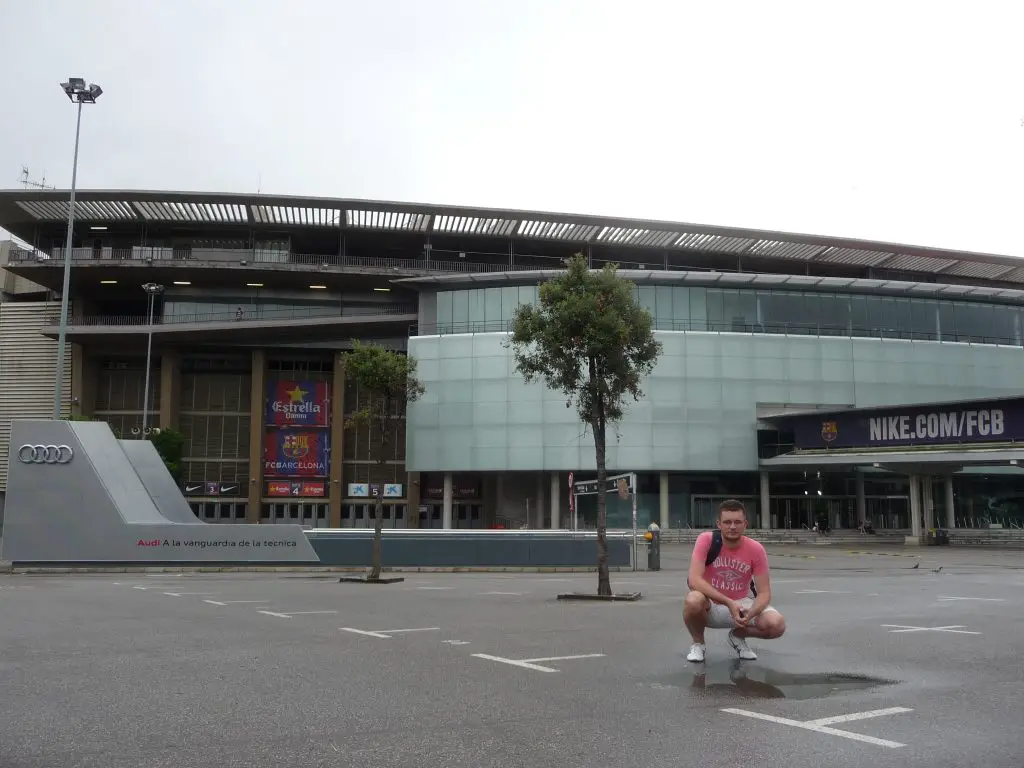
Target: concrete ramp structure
(78,495)
(159,484)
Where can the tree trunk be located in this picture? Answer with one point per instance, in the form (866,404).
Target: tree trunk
(604,585)
(378,504)
(378,533)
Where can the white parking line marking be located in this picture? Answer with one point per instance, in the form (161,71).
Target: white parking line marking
(365,632)
(818,727)
(501,593)
(514,663)
(954,628)
(456,642)
(233,602)
(386,634)
(418,629)
(181,594)
(293,613)
(983,599)
(858,716)
(532,663)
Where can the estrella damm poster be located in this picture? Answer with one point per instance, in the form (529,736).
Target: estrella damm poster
(298,404)
(292,453)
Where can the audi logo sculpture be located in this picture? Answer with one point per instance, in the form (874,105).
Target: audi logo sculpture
(45,454)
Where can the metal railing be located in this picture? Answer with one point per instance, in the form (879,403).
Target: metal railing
(247,315)
(781,329)
(226,256)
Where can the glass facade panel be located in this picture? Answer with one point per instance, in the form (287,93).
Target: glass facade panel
(746,310)
(699,405)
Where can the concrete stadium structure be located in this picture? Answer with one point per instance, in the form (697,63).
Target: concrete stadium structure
(260,294)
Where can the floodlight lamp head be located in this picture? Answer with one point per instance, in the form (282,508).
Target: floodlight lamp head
(77,90)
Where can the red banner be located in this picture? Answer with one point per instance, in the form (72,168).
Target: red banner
(298,404)
(307,490)
(289,453)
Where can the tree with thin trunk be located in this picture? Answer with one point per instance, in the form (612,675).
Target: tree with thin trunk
(589,338)
(387,380)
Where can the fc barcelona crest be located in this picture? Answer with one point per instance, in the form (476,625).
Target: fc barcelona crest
(829,431)
(295,446)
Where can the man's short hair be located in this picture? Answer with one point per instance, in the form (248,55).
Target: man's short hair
(732,505)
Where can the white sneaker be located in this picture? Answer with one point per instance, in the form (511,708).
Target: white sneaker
(740,646)
(696,652)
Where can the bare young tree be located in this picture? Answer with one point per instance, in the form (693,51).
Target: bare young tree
(589,338)
(388,379)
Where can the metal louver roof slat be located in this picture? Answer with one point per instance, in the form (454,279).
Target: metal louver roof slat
(913,263)
(980,270)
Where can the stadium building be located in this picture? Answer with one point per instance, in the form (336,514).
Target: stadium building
(815,378)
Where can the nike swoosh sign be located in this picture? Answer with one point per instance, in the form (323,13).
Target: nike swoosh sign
(190,488)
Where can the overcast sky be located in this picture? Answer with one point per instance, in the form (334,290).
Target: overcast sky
(896,120)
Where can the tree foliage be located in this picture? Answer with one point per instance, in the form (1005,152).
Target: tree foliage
(588,338)
(388,379)
(170,444)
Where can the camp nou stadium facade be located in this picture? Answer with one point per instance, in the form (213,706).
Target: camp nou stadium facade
(812,377)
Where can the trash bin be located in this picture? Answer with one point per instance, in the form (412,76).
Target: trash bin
(942,538)
(653,537)
(930,539)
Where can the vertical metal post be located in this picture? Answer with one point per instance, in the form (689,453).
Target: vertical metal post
(62,335)
(632,480)
(149,354)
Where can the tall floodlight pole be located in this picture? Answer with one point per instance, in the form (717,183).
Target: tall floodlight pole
(152,291)
(80,94)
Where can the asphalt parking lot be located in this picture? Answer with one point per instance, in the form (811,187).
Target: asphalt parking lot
(882,665)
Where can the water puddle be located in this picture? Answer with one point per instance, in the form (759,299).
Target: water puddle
(752,680)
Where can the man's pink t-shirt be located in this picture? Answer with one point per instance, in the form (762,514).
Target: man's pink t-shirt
(733,569)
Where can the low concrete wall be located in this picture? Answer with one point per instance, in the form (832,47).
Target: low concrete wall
(468,549)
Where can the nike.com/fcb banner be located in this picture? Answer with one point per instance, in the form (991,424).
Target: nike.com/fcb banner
(298,404)
(994,421)
(290,453)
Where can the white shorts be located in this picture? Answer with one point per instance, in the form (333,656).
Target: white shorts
(720,618)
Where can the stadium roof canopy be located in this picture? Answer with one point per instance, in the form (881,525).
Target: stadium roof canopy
(23,211)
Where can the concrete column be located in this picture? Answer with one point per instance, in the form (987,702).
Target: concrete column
(337,467)
(170,388)
(862,504)
(766,503)
(84,377)
(928,501)
(446,512)
(663,501)
(950,503)
(499,496)
(257,395)
(412,496)
(915,508)
(538,510)
(556,496)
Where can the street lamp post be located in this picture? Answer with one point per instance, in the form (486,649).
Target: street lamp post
(79,93)
(152,291)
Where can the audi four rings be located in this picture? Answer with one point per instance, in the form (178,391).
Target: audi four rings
(45,454)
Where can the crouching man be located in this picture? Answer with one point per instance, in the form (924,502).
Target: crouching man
(730,586)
